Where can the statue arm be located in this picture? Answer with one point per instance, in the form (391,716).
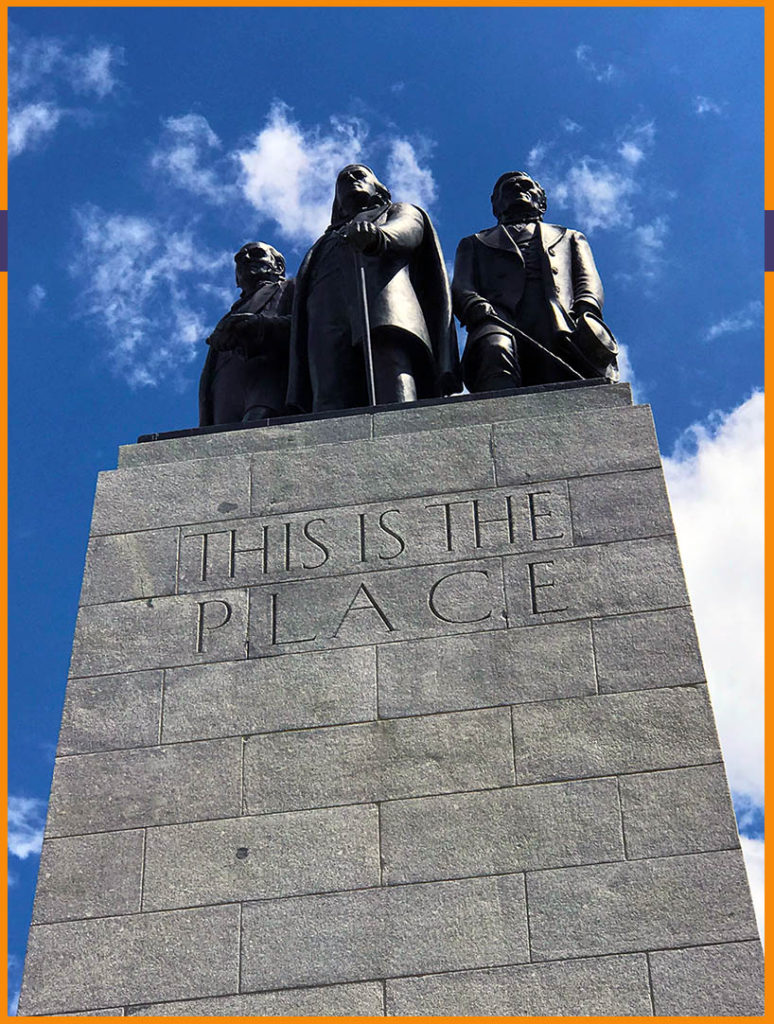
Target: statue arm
(401,232)
(586,283)
(469,306)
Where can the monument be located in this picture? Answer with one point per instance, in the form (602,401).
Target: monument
(394,710)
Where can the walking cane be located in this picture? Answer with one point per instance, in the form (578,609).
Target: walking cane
(365,325)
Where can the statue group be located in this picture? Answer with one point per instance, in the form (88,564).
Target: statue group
(369,320)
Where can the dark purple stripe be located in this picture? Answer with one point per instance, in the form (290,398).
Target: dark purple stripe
(768,259)
(4,240)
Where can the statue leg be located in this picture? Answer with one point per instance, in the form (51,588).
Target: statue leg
(393,368)
(256,413)
(491,363)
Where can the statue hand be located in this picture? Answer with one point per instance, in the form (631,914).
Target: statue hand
(477,312)
(362,234)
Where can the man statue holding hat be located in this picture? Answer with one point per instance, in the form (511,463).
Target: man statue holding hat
(530,297)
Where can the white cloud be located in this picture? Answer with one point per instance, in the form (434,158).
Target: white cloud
(649,245)
(288,173)
(598,194)
(631,152)
(144,285)
(603,72)
(754,862)
(186,142)
(570,126)
(397,87)
(744,319)
(94,71)
(36,296)
(715,480)
(628,374)
(29,125)
(407,180)
(26,821)
(704,105)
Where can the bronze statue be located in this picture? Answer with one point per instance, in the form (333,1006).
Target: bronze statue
(372,320)
(245,375)
(530,297)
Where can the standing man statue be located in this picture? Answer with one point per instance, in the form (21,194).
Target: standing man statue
(530,297)
(245,375)
(372,290)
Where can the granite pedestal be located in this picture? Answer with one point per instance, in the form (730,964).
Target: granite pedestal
(392,713)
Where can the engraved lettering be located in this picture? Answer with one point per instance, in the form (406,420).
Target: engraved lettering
(388,530)
(370,606)
(203,624)
(535,585)
(317,543)
(287,546)
(444,579)
(361,518)
(274,628)
(263,548)
(446,506)
(208,552)
(535,514)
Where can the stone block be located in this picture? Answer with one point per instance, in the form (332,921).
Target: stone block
(711,981)
(429,462)
(173,955)
(378,933)
(647,650)
(255,858)
(683,811)
(149,786)
(549,448)
(486,669)
(160,632)
(171,494)
(620,506)
(614,733)
(378,761)
(501,831)
(123,566)
(113,1011)
(377,607)
(293,691)
(110,712)
(89,876)
(611,985)
(639,905)
(362,999)
(601,579)
(495,408)
(273,437)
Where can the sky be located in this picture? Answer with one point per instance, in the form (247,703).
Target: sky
(146,146)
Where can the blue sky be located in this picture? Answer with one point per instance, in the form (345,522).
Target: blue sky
(148,145)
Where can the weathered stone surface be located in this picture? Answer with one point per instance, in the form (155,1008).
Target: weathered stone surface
(378,761)
(110,712)
(603,579)
(123,566)
(710,981)
(239,442)
(486,669)
(433,529)
(377,933)
(377,607)
(620,506)
(254,858)
(613,733)
(549,448)
(613,985)
(639,905)
(362,999)
(109,1012)
(647,650)
(497,408)
(267,694)
(150,786)
(149,497)
(501,831)
(89,876)
(160,632)
(430,462)
(174,955)
(683,811)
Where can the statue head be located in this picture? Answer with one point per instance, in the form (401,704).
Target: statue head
(357,188)
(516,195)
(257,262)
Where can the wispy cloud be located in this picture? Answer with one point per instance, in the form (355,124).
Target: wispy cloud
(36,296)
(26,821)
(143,285)
(601,71)
(704,105)
(749,317)
(570,126)
(409,181)
(188,144)
(48,81)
